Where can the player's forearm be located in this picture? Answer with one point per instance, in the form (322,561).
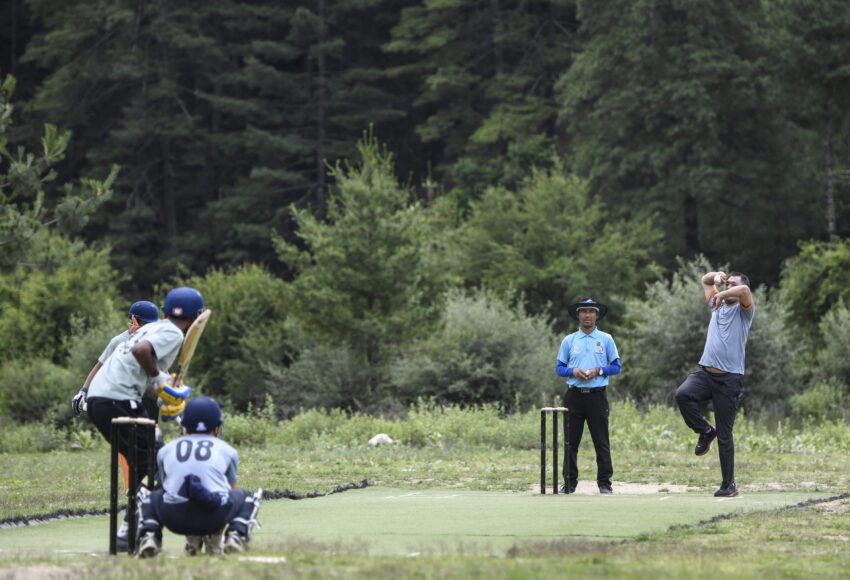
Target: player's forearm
(708,279)
(742,293)
(91,374)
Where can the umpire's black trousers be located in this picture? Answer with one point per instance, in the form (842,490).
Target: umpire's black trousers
(724,391)
(590,406)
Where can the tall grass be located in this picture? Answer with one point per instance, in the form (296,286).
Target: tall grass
(425,425)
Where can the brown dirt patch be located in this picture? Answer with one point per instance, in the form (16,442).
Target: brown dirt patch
(839,506)
(590,488)
(37,572)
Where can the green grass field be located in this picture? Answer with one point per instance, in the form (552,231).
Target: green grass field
(399,522)
(456,499)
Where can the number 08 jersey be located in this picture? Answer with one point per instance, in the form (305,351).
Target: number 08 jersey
(207,457)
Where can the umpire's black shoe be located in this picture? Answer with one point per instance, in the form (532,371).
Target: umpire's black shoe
(730,490)
(704,443)
(606,489)
(563,488)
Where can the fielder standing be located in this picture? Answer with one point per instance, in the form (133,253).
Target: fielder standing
(138,367)
(587,358)
(721,375)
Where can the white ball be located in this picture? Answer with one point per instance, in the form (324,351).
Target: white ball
(718,281)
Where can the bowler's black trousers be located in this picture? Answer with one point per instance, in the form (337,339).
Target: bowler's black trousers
(591,407)
(724,392)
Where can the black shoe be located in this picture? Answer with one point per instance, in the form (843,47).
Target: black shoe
(704,443)
(730,490)
(563,488)
(606,489)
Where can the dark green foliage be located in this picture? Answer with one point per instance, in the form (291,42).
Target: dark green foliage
(665,335)
(30,201)
(833,347)
(246,333)
(670,111)
(32,389)
(364,282)
(552,242)
(63,289)
(484,72)
(813,282)
(808,40)
(323,377)
(484,352)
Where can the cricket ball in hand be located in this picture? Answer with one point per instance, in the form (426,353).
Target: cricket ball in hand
(718,281)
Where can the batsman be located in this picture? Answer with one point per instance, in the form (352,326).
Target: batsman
(139,366)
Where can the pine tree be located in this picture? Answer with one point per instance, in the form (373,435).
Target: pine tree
(670,112)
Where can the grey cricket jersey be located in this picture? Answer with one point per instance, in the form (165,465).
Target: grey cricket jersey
(726,341)
(207,457)
(122,378)
(113,344)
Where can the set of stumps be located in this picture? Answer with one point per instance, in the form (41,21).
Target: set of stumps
(556,413)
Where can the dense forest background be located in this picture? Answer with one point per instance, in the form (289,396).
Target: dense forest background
(384,200)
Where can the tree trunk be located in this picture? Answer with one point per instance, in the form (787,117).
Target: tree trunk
(829,170)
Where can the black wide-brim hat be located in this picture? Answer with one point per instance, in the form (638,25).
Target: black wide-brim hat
(588,303)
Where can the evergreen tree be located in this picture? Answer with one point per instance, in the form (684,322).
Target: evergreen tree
(551,243)
(810,44)
(486,70)
(670,112)
(363,283)
(30,202)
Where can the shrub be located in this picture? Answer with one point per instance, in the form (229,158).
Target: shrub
(322,377)
(833,350)
(813,282)
(484,352)
(66,286)
(246,333)
(30,391)
(827,400)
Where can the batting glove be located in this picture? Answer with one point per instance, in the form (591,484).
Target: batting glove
(172,412)
(78,403)
(172,395)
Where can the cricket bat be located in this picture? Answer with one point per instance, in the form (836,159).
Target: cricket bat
(190,343)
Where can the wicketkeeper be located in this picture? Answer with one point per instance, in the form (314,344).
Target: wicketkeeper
(199,498)
(140,366)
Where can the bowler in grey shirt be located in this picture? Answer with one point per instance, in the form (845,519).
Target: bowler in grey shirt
(721,375)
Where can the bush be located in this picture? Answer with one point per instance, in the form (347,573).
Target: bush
(322,377)
(31,391)
(813,282)
(65,287)
(826,400)
(665,335)
(833,349)
(484,352)
(246,333)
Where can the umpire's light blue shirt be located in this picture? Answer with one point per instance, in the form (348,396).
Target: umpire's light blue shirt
(587,351)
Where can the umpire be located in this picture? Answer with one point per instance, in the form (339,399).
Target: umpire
(587,358)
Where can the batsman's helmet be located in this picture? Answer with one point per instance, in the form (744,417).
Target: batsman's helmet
(202,415)
(183,303)
(145,311)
